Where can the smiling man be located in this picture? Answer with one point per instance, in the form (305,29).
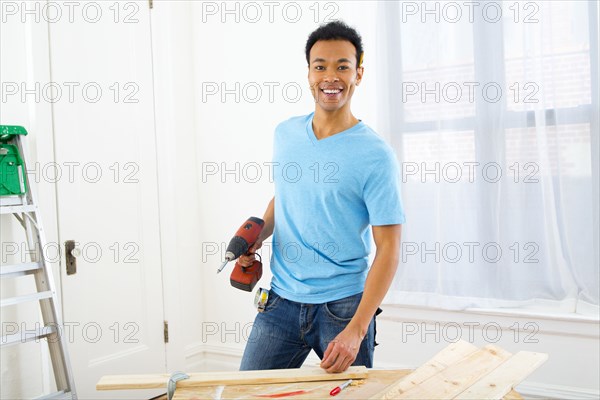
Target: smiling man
(338,191)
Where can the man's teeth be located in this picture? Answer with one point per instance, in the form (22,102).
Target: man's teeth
(332,91)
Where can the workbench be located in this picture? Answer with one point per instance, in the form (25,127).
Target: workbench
(460,371)
(377,381)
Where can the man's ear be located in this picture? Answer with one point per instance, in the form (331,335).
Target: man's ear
(359,74)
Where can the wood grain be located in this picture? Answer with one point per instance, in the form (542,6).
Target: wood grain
(503,379)
(448,356)
(377,380)
(157,381)
(455,379)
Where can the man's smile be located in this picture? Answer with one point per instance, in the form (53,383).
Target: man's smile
(331,91)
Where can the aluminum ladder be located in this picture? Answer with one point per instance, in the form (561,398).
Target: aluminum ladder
(16,198)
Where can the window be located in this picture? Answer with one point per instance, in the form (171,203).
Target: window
(496,128)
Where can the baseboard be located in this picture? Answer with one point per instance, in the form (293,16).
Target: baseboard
(536,390)
(210,357)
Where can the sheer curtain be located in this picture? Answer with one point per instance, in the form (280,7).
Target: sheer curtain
(492,108)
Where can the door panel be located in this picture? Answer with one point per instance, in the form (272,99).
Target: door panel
(107,190)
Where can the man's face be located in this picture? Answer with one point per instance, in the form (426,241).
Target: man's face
(332,73)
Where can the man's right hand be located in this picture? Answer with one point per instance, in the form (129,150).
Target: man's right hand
(269,218)
(247,260)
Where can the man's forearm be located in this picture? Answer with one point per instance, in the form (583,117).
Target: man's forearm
(378,282)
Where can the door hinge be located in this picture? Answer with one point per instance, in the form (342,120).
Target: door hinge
(151,4)
(166,331)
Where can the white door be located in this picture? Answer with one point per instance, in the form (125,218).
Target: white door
(107,192)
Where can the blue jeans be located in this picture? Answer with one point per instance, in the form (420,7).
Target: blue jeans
(285,332)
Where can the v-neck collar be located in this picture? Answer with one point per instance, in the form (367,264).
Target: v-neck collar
(313,138)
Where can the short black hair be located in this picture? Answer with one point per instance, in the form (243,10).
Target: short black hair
(335,30)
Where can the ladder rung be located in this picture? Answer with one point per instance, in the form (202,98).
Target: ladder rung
(11,201)
(17,209)
(19,269)
(28,297)
(57,395)
(28,336)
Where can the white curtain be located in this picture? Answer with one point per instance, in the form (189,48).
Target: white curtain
(493,110)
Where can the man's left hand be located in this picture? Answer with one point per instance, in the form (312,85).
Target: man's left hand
(341,351)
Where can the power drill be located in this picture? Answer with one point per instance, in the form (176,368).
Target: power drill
(244,278)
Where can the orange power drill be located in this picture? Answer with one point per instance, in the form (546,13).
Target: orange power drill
(244,278)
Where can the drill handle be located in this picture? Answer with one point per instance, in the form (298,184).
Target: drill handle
(253,262)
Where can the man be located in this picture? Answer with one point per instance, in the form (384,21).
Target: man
(337,179)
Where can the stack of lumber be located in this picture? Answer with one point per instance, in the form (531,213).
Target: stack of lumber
(460,371)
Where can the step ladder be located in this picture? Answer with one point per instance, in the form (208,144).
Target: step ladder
(16,198)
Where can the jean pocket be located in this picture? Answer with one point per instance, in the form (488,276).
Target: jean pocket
(272,302)
(344,309)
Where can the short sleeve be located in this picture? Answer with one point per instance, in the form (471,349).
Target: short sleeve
(382,194)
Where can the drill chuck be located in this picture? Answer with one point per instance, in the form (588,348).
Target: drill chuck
(237,247)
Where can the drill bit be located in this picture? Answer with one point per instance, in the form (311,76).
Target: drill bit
(222,266)
(229,256)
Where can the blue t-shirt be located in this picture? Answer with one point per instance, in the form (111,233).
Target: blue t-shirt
(327,193)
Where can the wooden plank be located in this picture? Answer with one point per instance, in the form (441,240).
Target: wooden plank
(157,381)
(448,356)
(365,389)
(315,390)
(503,379)
(459,376)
